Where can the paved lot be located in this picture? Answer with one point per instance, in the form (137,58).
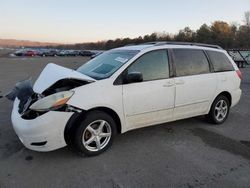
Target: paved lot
(188,153)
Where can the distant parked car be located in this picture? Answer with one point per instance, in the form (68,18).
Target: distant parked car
(19,53)
(30,53)
(39,52)
(86,53)
(62,53)
(71,53)
(74,53)
(50,53)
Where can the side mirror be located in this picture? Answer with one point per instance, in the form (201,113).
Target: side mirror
(134,77)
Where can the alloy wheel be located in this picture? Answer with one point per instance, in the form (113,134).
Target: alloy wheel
(221,110)
(96,135)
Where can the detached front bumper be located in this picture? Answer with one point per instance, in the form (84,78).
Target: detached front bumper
(44,133)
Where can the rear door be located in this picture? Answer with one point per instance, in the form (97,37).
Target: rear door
(151,101)
(195,84)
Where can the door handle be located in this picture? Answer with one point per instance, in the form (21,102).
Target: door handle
(224,78)
(168,84)
(179,82)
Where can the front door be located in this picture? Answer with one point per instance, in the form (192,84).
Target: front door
(151,101)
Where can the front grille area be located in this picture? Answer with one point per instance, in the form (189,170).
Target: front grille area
(24,107)
(31,114)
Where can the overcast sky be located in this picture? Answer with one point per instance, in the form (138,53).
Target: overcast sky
(71,21)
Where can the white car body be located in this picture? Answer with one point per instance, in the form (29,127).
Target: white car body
(137,105)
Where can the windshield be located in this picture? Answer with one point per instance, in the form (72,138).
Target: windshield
(106,64)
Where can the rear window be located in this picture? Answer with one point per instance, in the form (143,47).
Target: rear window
(190,62)
(220,61)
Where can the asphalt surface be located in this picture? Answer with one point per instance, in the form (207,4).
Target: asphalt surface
(188,153)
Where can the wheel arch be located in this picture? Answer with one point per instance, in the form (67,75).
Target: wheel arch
(113,114)
(210,116)
(76,118)
(226,94)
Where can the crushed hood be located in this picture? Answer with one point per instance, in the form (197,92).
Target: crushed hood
(53,73)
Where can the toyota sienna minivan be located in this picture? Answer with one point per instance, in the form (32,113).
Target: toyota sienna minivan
(124,89)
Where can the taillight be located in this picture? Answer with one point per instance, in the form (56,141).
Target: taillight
(239,74)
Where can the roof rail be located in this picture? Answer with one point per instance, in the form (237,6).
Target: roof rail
(132,44)
(159,43)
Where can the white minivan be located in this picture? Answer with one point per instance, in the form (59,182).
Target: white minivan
(123,89)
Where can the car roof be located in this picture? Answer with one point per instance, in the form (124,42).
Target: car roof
(159,45)
(135,47)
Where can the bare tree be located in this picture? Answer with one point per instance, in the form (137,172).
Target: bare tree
(247,18)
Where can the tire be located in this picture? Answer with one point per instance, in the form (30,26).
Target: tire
(95,133)
(219,110)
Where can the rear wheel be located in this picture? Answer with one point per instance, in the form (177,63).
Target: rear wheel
(219,110)
(95,133)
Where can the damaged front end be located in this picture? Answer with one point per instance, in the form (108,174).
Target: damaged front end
(33,104)
(24,93)
(36,101)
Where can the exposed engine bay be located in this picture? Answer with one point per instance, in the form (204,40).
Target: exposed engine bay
(64,85)
(24,92)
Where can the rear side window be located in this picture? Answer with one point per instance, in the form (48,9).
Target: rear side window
(153,65)
(220,61)
(190,62)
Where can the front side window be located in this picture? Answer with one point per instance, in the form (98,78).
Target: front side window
(106,64)
(190,62)
(220,61)
(153,65)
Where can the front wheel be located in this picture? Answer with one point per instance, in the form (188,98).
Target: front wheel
(219,110)
(95,133)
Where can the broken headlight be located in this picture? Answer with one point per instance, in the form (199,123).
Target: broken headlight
(51,102)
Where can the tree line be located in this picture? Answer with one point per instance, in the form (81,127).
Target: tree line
(219,32)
